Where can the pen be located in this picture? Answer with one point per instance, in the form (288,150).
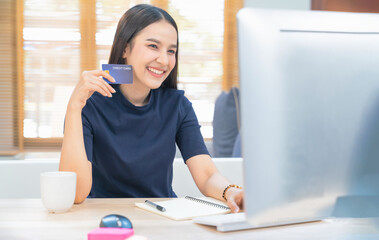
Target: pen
(160,208)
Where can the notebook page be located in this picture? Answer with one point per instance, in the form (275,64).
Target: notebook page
(184,209)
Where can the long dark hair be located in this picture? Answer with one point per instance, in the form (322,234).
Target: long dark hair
(130,24)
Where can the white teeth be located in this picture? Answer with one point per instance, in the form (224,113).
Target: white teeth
(155,71)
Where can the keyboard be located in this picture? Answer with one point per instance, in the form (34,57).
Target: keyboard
(226,222)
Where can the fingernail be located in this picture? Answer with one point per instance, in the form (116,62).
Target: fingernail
(113,90)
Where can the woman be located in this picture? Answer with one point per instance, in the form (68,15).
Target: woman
(120,139)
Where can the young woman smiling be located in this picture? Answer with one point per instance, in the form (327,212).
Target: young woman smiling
(120,139)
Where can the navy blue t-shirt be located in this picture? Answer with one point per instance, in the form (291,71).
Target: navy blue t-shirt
(132,148)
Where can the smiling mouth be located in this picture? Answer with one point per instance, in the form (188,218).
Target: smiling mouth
(156,71)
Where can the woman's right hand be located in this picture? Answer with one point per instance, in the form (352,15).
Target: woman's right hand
(90,82)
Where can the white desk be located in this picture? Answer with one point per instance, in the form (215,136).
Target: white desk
(27,219)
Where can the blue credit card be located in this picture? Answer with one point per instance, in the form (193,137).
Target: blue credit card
(123,74)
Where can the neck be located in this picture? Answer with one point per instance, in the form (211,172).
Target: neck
(136,95)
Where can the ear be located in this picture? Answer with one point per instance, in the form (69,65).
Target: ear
(126,52)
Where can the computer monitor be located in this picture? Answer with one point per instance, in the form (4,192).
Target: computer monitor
(309,84)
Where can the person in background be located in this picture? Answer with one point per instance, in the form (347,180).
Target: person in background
(226,124)
(120,139)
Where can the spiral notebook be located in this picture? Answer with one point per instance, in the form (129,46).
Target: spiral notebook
(187,208)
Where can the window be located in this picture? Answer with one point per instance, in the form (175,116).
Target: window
(200,62)
(54,59)
(51,64)
(46,44)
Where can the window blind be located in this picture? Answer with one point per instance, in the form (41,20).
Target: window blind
(58,44)
(108,13)
(52,64)
(201,30)
(10,143)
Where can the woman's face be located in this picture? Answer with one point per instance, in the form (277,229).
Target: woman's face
(152,54)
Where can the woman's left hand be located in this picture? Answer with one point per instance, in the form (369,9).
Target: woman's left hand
(235,199)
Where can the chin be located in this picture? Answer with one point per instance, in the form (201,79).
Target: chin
(154,86)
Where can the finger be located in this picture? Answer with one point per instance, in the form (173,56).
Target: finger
(106,83)
(95,88)
(238,200)
(101,73)
(103,85)
(234,207)
(94,84)
(110,88)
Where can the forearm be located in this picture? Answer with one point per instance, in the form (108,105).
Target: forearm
(215,185)
(207,178)
(73,154)
(219,187)
(211,183)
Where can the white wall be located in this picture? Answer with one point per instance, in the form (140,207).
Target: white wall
(20,178)
(279,4)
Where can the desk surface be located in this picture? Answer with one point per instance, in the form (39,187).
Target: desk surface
(28,219)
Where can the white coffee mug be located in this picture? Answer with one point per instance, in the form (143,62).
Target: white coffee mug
(58,190)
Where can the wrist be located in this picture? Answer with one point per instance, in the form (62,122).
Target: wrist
(74,106)
(227,190)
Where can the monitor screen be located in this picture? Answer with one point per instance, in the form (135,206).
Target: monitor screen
(309,112)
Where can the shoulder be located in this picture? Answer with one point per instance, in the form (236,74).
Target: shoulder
(173,96)
(174,100)
(95,103)
(95,99)
(170,93)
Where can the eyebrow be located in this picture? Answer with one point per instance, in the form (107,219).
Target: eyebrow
(158,42)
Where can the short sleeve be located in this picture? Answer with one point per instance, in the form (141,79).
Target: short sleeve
(87,134)
(188,136)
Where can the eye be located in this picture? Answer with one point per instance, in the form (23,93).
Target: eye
(153,46)
(172,51)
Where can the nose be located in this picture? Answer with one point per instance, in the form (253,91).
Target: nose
(163,58)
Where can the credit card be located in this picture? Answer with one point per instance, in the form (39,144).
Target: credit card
(123,74)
